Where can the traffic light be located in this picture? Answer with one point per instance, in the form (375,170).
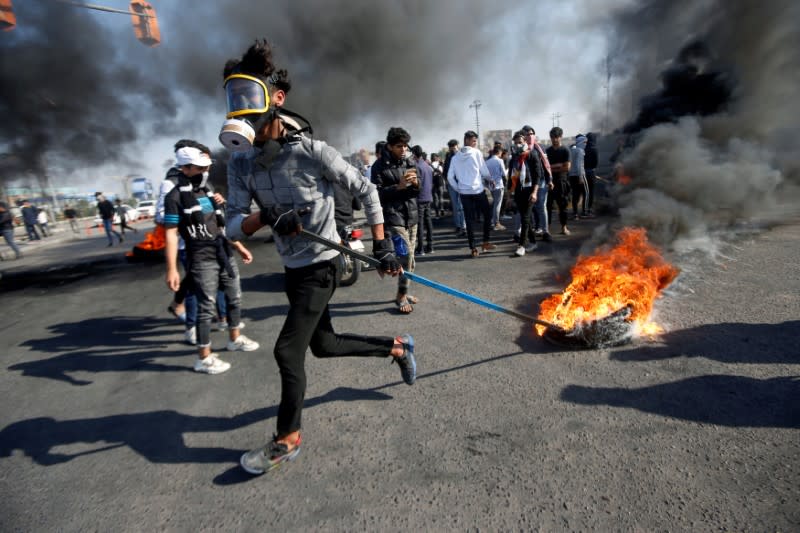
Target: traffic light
(144,27)
(7,18)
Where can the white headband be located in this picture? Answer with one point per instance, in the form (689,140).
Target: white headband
(189,155)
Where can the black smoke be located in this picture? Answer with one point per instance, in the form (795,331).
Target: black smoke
(711,144)
(66,95)
(78,94)
(687,89)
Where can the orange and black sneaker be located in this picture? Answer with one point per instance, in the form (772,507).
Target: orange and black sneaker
(269,457)
(407,362)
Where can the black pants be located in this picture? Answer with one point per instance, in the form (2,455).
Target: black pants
(123,226)
(580,194)
(559,195)
(425,226)
(308,324)
(590,180)
(475,204)
(522,197)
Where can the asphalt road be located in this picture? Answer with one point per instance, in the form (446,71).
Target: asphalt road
(105,427)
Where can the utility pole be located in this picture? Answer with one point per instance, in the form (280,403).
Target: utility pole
(555,118)
(477,104)
(608,88)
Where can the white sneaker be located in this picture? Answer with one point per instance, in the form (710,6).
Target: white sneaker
(223,325)
(211,365)
(243,344)
(531,247)
(191,336)
(520,251)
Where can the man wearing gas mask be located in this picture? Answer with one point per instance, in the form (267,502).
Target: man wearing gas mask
(291,178)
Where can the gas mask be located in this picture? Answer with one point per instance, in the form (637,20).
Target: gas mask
(249,110)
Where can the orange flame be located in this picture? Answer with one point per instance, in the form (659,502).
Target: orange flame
(632,273)
(154,240)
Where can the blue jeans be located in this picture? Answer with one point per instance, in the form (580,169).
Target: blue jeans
(8,235)
(458,209)
(497,203)
(108,226)
(540,208)
(32,234)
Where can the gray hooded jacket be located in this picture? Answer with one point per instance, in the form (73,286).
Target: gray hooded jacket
(301,174)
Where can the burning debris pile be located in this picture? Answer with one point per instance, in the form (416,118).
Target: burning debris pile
(611,294)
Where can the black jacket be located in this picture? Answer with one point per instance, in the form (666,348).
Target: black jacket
(590,152)
(106,210)
(399,205)
(535,169)
(6,221)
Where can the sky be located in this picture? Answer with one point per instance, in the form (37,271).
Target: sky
(704,90)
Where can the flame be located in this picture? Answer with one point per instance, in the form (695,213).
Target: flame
(632,273)
(154,240)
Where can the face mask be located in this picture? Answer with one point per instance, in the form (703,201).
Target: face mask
(518,148)
(199,181)
(249,109)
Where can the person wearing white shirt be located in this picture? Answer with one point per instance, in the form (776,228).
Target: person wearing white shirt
(466,176)
(497,170)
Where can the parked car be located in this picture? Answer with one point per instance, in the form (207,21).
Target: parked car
(146,208)
(131,215)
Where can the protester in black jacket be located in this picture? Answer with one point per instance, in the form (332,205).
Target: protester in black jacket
(395,176)
(106,210)
(590,161)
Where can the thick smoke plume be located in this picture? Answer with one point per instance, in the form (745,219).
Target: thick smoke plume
(78,94)
(66,97)
(712,140)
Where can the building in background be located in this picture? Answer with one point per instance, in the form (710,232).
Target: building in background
(492,136)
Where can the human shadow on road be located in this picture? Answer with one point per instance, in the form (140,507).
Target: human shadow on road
(118,332)
(101,345)
(272,282)
(157,435)
(723,400)
(727,343)
(59,368)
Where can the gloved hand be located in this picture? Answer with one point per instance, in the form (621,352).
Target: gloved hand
(283,221)
(383,251)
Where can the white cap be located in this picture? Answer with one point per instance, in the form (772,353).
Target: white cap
(189,155)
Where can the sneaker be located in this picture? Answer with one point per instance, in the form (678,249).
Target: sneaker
(407,363)
(243,344)
(267,457)
(429,250)
(520,251)
(191,336)
(538,231)
(531,247)
(565,231)
(546,237)
(223,325)
(211,365)
(499,227)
